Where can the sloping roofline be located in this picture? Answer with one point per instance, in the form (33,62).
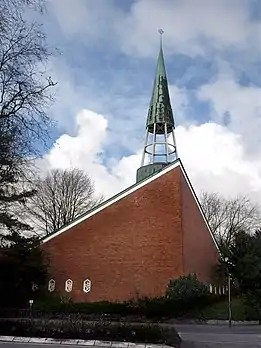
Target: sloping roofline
(126,192)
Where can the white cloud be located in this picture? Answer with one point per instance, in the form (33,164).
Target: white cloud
(70,96)
(188,24)
(180,104)
(86,20)
(241,105)
(213,156)
(85,149)
(216,161)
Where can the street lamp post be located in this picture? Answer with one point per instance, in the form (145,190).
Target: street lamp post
(229,302)
(229,294)
(31,307)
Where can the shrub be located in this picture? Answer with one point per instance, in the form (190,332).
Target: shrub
(186,288)
(187,293)
(153,307)
(63,329)
(252,306)
(87,309)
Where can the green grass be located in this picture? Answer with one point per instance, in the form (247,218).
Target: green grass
(219,311)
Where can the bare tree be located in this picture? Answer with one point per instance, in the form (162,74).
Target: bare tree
(227,217)
(24,91)
(24,96)
(61,197)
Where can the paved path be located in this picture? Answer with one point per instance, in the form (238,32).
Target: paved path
(210,336)
(30,345)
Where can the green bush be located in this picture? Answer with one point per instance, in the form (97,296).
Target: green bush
(252,306)
(55,305)
(187,293)
(143,307)
(186,288)
(153,307)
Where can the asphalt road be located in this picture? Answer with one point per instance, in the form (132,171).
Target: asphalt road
(210,336)
(194,336)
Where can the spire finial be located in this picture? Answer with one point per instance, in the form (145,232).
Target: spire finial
(161,32)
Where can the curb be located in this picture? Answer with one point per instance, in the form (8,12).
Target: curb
(88,343)
(214,322)
(234,322)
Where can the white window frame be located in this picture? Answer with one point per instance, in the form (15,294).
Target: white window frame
(51,285)
(87,285)
(68,285)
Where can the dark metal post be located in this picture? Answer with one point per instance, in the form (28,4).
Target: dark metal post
(229,302)
(31,308)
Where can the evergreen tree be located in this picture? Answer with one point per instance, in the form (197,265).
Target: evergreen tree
(243,261)
(23,270)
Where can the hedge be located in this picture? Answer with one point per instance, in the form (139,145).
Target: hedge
(106,331)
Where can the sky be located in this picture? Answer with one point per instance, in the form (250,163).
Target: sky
(105,72)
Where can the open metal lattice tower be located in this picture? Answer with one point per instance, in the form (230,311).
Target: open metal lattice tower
(160,144)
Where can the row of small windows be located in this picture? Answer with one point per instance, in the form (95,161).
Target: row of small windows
(87,287)
(69,285)
(218,290)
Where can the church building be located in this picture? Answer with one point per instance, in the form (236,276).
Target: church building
(134,243)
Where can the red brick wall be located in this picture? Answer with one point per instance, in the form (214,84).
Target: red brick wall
(130,248)
(200,252)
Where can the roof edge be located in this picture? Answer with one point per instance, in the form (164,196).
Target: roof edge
(199,205)
(112,200)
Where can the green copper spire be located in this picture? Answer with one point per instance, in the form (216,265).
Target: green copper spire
(160,111)
(159,149)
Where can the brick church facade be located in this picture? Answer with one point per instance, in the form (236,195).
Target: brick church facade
(133,244)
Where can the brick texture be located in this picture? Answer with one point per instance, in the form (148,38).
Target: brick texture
(199,251)
(135,246)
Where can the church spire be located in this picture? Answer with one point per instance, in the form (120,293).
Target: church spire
(159,126)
